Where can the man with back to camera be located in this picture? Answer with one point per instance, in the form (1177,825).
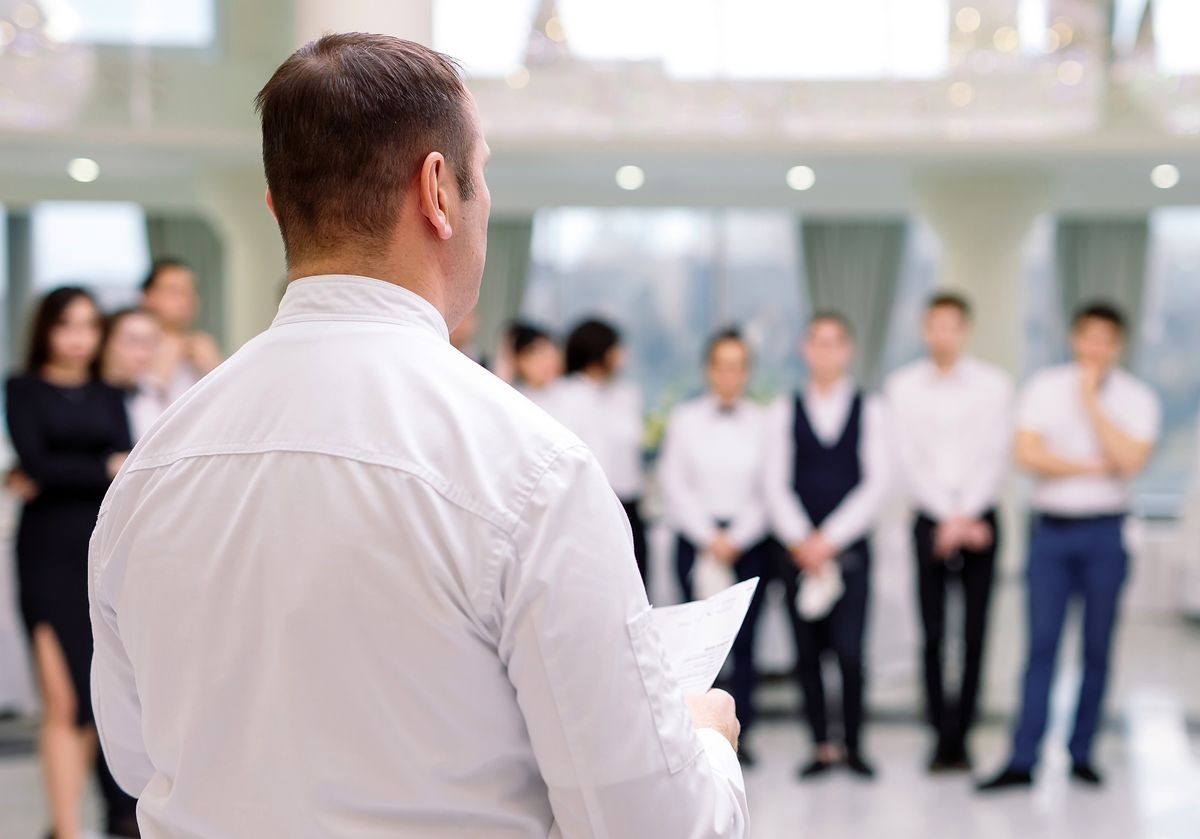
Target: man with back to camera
(826,479)
(952,416)
(1084,430)
(353,584)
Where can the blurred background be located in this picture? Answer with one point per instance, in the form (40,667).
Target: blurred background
(678,166)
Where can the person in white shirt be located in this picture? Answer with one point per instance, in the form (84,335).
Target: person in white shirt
(826,481)
(711,473)
(1084,431)
(127,357)
(536,362)
(354,585)
(606,412)
(184,354)
(951,416)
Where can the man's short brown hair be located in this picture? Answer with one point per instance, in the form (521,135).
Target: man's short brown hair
(347,122)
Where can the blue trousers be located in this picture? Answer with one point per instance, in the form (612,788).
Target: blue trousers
(1069,559)
(755,562)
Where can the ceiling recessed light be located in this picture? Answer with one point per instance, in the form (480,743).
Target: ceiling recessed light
(630,177)
(555,31)
(518,78)
(960,94)
(801,178)
(967,19)
(1070,72)
(83,169)
(1164,175)
(1006,39)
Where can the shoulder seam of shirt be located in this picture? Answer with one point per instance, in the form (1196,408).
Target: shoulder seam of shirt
(503,520)
(551,457)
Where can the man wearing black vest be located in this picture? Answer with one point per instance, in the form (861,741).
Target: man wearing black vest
(827,476)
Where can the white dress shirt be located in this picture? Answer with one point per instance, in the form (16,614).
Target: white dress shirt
(953,435)
(1052,407)
(828,413)
(608,417)
(711,468)
(353,585)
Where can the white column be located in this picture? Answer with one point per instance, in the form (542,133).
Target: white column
(983,221)
(410,19)
(255,274)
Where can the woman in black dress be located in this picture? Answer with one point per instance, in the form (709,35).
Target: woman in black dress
(71,435)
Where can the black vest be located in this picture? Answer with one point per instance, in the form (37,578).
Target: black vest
(822,476)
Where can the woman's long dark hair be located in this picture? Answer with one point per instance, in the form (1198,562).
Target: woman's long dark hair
(49,314)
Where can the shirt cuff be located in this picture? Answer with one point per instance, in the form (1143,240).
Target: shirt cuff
(721,755)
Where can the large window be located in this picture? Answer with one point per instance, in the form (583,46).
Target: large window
(1169,348)
(99,245)
(669,278)
(704,39)
(178,23)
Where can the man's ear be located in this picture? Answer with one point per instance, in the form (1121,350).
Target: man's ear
(271,205)
(432,200)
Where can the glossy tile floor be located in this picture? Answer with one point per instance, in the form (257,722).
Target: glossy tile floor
(1150,751)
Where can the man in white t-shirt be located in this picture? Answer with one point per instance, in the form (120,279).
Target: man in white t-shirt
(1084,431)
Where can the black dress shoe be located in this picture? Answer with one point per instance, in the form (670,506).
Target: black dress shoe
(949,758)
(856,764)
(1008,779)
(1085,773)
(813,769)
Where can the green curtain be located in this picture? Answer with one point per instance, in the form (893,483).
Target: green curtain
(1103,259)
(192,239)
(504,276)
(852,267)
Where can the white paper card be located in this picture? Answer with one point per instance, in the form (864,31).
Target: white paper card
(697,637)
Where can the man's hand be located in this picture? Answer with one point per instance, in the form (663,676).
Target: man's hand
(978,535)
(1090,377)
(723,549)
(716,710)
(115,461)
(203,352)
(949,537)
(816,552)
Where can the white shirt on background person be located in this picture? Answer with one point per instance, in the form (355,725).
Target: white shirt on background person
(1051,406)
(828,414)
(711,468)
(607,416)
(352,584)
(953,432)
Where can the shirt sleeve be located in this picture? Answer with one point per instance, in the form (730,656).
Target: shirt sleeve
(609,727)
(48,468)
(1144,419)
(927,495)
(784,511)
(115,702)
(685,510)
(987,473)
(854,517)
(1031,408)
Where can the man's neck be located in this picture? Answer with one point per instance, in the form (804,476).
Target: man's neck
(409,277)
(945,364)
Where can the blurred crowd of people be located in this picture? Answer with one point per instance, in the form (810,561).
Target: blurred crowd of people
(791,491)
(788,491)
(92,384)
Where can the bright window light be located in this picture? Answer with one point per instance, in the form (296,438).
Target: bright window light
(698,39)
(1176,31)
(99,244)
(179,23)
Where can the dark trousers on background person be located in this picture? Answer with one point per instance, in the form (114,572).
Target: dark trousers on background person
(1067,558)
(638,526)
(841,632)
(974,571)
(758,561)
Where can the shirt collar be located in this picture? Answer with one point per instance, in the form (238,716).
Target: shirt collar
(714,405)
(843,389)
(960,368)
(347,297)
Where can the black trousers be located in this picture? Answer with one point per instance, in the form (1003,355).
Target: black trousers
(841,632)
(638,526)
(951,718)
(758,561)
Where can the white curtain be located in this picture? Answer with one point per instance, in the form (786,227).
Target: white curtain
(504,276)
(852,268)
